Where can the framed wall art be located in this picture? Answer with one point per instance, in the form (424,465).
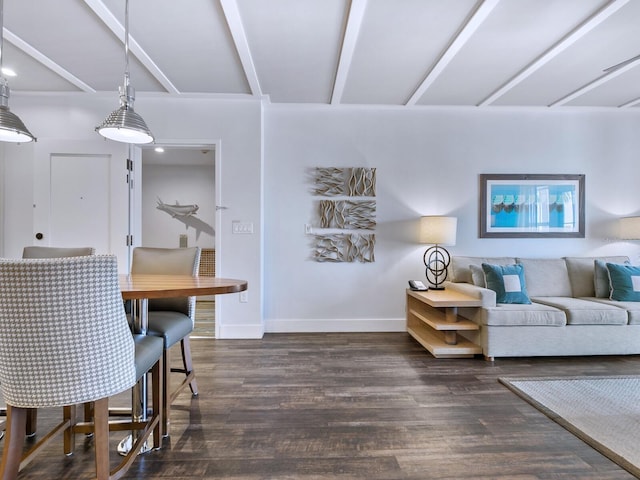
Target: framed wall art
(530,206)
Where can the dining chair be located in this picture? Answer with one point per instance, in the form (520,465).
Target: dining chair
(56,252)
(64,341)
(172,319)
(36,251)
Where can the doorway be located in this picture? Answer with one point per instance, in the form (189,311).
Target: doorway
(178,209)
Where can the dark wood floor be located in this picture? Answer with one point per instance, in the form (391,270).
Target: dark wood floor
(357,406)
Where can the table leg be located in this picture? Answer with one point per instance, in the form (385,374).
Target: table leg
(451,315)
(139,323)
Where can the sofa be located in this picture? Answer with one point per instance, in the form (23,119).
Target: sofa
(570,310)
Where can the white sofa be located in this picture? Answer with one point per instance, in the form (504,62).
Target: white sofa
(570,312)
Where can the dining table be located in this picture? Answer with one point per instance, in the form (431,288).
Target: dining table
(140,288)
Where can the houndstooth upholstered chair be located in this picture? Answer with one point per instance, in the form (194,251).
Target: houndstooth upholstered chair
(49,252)
(172,319)
(65,340)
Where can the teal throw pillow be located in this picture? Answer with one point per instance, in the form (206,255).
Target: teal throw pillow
(507,281)
(601,279)
(625,282)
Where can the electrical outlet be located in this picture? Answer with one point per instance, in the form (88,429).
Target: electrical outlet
(244,297)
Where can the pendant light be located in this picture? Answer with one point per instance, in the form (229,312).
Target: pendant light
(11,127)
(123,124)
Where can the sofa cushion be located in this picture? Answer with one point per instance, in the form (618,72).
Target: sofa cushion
(477,276)
(586,275)
(546,277)
(459,270)
(632,308)
(625,282)
(514,315)
(507,281)
(586,312)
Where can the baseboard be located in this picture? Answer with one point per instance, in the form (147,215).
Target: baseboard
(237,332)
(336,325)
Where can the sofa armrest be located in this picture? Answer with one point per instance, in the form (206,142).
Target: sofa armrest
(487,296)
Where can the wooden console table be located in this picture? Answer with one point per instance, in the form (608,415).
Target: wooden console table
(432,319)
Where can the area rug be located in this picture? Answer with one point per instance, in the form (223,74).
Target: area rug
(602,411)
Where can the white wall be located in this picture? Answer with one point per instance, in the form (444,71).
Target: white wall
(234,126)
(428,162)
(187,184)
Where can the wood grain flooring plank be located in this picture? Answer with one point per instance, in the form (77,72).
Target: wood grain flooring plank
(355,407)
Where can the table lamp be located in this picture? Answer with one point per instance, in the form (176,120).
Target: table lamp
(437,230)
(630,228)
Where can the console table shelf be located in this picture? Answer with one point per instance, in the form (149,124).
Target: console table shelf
(432,319)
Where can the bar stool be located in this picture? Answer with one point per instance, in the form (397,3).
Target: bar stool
(172,319)
(65,340)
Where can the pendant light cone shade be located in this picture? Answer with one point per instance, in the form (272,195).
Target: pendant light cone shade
(124,124)
(11,127)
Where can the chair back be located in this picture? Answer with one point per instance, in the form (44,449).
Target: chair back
(64,335)
(168,261)
(56,252)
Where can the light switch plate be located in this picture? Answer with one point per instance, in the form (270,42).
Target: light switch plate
(241,227)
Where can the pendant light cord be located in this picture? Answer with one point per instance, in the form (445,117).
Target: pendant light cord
(2,35)
(126,44)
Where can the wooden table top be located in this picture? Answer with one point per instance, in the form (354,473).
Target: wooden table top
(136,286)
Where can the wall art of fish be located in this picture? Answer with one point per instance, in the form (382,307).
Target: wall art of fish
(177,210)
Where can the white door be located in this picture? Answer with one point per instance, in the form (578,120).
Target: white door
(80,200)
(81,197)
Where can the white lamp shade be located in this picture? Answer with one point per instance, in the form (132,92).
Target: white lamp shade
(630,228)
(438,230)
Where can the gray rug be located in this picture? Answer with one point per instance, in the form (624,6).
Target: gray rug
(602,411)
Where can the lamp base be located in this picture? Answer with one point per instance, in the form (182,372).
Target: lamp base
(436,260)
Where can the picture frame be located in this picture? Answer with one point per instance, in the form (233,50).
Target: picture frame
(532,206)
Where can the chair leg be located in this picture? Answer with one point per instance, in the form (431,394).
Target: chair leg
(101,438)
(32,421)
(69,437)
(166,399)
(157,399)
(185,346)
(13,442)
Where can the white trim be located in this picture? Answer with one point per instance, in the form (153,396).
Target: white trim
(335,325)
(253,331)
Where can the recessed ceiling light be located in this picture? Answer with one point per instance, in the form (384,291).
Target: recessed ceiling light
(8,72)
(159,149)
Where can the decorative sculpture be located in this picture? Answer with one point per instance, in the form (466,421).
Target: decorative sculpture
(345,214)
(341,247)
(348,214)
(177,210)
(352,182)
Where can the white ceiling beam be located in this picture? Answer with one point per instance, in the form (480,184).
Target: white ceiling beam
(477,18)
(46,61)
(597,82)
(351,33)
(631,103)
(105,15)
(579,32)
(234,21)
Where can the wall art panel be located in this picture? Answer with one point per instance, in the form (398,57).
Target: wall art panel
(342,247)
